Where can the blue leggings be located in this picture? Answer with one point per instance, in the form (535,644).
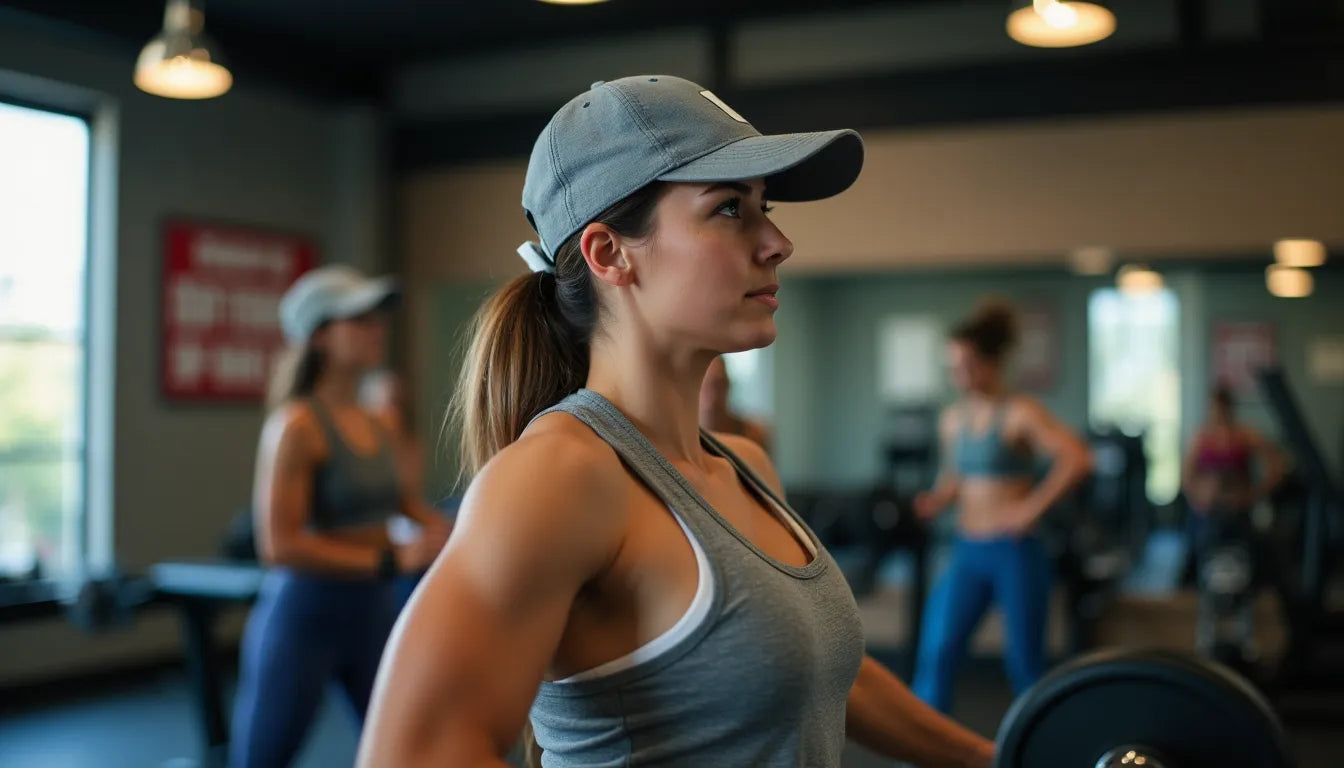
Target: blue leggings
(1015,573)
(304,632)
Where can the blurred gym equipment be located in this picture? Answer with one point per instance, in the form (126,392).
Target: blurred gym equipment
(1100,532)
(198,590)
(1229,576)
(911,449)
(1314,660)
(1141,709)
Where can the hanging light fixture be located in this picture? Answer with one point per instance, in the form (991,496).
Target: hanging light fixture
(1299,253)
(181,62)
(1288,282)
(1138,280)
(1059,23)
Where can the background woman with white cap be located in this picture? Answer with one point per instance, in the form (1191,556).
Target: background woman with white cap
(326,485)
(637,584)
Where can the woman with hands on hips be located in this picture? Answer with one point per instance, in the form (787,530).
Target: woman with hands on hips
(990,441)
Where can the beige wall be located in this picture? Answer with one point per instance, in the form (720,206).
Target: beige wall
(1159,186)
(1185,184)
(1178,184)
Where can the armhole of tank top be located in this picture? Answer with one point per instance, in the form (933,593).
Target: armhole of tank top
(691,619)
(387,441)
(328,427)
(777,507)
(788,519)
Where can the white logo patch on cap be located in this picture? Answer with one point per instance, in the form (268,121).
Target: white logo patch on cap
(726,109)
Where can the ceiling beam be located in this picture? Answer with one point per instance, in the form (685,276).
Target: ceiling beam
(1148,81)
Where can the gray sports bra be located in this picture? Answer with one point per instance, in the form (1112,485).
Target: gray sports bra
(353,489)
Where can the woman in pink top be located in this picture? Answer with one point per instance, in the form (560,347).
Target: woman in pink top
(1219,476)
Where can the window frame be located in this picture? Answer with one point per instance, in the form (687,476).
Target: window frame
(27,590)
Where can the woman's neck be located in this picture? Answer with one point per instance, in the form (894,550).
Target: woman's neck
(659,393)
(338,387)
(721,420)
(989,395)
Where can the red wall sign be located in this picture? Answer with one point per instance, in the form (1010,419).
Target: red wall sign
(221,296)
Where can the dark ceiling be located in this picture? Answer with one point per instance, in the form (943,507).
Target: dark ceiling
(359,41)
(336,49)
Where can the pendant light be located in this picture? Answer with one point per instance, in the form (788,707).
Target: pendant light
(1299,253)
(1059,23)
(1288,282)
(181,62)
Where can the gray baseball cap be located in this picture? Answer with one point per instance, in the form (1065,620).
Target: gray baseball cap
(332,293)
(618,136)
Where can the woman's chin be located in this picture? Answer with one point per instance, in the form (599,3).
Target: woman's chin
(762,337)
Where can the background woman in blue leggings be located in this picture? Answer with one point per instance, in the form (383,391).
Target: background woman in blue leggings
(991,440)
(327,484)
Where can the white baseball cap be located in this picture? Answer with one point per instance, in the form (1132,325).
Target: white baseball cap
(332,293)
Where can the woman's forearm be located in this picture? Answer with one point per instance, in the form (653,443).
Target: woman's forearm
(886,717)
(945,491)
(1065,473)
(422,513)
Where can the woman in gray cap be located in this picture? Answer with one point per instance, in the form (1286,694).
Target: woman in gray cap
(326,486)
(638,585)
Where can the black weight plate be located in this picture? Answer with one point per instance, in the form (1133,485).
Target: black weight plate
(1195,713)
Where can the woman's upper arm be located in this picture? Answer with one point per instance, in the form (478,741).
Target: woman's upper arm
(286,460)
(464,663)
(1047,434)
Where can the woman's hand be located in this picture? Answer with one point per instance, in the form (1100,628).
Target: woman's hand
(1020,517)
(926,506)
(417,554)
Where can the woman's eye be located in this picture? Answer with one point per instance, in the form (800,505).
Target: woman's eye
(731,208)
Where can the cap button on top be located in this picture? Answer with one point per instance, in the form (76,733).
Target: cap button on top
(596,84)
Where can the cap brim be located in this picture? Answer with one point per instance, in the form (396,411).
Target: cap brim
(797,167)
(378,293)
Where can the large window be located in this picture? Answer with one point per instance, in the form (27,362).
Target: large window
(1134,377)
(44,193)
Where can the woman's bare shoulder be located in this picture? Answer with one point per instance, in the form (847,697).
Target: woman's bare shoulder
(557,476)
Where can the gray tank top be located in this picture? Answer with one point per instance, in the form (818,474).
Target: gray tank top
(352,489)
(762,680)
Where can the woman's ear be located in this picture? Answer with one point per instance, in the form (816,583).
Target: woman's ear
(603,249)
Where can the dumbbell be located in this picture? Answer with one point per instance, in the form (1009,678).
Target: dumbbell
(1141,709)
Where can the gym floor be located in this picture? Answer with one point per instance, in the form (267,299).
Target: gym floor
(149,724)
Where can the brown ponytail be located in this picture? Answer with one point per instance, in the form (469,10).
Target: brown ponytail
(530,340)
(529,349)
(296,371)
